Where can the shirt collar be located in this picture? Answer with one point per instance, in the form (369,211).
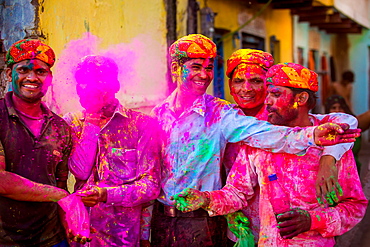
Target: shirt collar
(199,105)
(119,110)
(12,111)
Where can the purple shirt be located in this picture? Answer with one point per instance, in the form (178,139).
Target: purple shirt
(123,157)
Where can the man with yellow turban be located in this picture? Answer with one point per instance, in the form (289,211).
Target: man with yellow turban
(34,148)
(196,128)
(289,212)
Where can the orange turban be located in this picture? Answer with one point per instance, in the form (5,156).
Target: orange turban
(193,46)
(249,56)
(292,75)
(30,49)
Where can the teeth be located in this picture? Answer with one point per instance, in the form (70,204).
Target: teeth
(30,86)
(200,83)
(246,98)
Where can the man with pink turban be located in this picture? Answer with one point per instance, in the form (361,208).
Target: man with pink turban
(196,128)
(300,220)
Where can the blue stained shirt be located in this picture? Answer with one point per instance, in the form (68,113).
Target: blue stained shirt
(194,142)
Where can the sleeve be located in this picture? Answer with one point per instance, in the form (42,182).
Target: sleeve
(334,221)
(261,134)
(146,187)
(338,150)
(238,189)
(83,156)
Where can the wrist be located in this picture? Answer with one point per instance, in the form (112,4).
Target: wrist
(102,194)
(328,160)
(207,199)
(60,194)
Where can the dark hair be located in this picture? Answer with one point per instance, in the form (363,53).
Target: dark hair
(337,99)
(348,76)
(311,102)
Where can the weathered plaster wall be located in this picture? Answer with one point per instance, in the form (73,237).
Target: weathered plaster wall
(17,20)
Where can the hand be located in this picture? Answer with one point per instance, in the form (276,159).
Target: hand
(330,134)
(77,238)
(327,185)
(91,195)
(189,200)
(145,243)
(236,221)
(75,218)
(293,222)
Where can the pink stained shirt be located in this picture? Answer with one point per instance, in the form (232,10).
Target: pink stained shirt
(297,174)
(122,156)
(232,150)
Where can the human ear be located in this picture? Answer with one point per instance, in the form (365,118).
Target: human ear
(175,70)
(302,98)
(8,73)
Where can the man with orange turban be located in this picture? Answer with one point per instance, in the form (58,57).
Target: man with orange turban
(34,148)
(287,181)
(197,127)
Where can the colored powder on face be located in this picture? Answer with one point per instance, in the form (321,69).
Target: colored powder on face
(142,78)
(318,217)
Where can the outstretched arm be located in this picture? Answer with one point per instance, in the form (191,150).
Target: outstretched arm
(280,139)
(22,189)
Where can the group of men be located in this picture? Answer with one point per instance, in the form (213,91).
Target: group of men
(123,159)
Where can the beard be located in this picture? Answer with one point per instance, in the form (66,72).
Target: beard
(282,116)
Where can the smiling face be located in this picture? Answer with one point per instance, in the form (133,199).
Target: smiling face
(247,86)
(195,75)
(281,105)
(30,79)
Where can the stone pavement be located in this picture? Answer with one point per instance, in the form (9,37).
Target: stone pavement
(359,236)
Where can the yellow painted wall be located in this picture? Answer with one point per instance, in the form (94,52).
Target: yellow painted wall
(115,21)
(181,20)
(280,24)
(277,22)
(136,27)
(226,18)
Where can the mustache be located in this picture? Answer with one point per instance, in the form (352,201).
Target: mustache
(271,109)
